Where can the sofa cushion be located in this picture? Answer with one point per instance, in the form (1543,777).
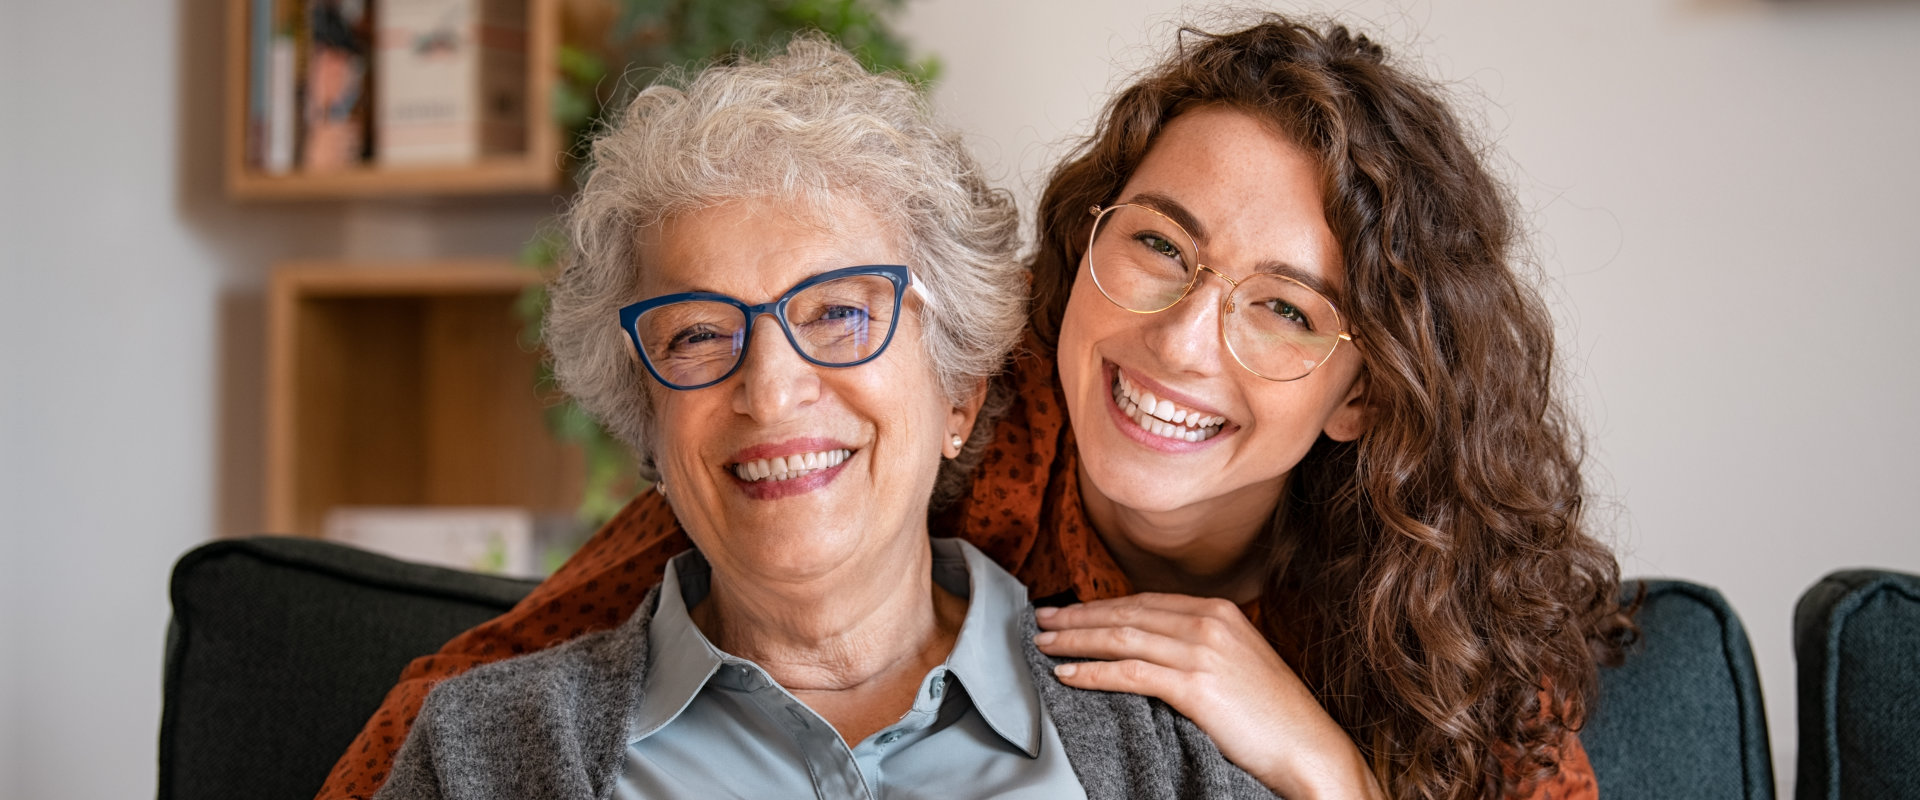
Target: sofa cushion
(1856,637)
(280,649)
(1682,717)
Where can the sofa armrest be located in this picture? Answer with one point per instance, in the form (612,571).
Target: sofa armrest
(281,648)
(1683,717)
(1856,641)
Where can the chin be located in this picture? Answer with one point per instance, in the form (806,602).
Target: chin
(1143,488)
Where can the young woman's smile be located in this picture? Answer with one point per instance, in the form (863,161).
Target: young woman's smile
(1160,418)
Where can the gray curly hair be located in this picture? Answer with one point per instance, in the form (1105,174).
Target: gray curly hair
(812,127)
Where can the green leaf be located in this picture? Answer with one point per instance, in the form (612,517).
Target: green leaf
(580,65)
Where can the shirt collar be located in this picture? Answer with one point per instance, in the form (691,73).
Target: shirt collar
(987,656)
(682,658)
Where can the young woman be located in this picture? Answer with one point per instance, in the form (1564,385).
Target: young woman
(1317,494)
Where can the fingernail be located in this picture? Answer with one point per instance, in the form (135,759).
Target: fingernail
(1045,638)
(1066,670)
(1044,612)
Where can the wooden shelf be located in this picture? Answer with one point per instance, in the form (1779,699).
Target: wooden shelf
(405,384)
(537,171)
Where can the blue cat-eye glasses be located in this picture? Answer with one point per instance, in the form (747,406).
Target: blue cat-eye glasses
(839,318)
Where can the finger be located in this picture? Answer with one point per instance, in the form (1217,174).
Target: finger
(1168,615)
(1120,644)
(1132,676)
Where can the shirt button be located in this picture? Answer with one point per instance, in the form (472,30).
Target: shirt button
(890,737)
(934,690)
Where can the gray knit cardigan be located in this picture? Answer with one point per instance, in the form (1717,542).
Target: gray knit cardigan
(553,724)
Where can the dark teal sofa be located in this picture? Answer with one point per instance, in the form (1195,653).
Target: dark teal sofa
(1856,641)
(280,649)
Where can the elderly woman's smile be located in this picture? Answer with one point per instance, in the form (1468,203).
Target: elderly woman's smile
(800,464)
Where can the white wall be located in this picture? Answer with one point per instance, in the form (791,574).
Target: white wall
(11,402)
(134,363)
(112,318)
(1723,192)
(1725,213)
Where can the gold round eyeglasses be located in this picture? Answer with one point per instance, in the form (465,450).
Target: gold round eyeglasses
(1276,327)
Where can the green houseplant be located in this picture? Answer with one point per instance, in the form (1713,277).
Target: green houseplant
(643,37)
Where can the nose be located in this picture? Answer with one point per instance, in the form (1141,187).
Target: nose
(774,382)
(1187,336)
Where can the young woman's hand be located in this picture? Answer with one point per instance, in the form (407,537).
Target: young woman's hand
(1206,660)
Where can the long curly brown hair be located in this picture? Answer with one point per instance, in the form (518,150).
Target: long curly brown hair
(1438,570)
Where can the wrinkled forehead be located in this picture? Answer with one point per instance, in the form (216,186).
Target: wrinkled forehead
(791,234)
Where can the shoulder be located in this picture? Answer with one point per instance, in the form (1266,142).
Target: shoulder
(546,724)
(577,677)
(1127,745)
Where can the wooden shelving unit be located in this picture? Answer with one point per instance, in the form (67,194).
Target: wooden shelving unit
(404,384)
(537,171)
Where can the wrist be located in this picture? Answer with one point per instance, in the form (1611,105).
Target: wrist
(1337,773)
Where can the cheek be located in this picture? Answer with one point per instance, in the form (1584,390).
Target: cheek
(1082,326)
(1289,422)
(673,438)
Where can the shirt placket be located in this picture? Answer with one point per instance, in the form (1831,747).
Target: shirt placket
(831,766)
(871,754)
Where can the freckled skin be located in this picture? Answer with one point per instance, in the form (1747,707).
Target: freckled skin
(1257,198)
(1181,521)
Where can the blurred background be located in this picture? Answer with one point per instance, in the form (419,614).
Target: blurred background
(1722,196)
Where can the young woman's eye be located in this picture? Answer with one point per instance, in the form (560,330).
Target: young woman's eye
(1289,312)
(1162,245)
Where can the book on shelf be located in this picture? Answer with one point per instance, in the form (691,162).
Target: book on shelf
(277,28)
(450,80)
(339,84)
(259,49)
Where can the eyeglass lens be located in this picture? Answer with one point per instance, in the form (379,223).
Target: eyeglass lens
(1275,326)
(834,323)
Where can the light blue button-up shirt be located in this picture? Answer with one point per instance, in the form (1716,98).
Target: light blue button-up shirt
(711,724)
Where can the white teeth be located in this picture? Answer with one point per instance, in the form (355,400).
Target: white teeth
(786,468)
(1161,417)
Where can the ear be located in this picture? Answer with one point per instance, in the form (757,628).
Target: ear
(960,418)
(1354,415)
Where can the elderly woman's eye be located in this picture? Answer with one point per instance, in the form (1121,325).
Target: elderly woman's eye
(843,313)
(694,338)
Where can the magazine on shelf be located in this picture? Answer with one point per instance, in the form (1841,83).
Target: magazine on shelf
(338,59)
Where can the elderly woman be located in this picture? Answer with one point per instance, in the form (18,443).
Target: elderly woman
(789,290)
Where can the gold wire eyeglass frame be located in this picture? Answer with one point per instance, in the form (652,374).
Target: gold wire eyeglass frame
(1226,300)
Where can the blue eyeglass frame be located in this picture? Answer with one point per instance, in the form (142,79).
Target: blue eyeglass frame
(898,275)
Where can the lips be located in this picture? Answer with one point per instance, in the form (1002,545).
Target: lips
(1162,417)
(790,468)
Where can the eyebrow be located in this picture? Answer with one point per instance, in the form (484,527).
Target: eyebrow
(1174,211)
(1185,219)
